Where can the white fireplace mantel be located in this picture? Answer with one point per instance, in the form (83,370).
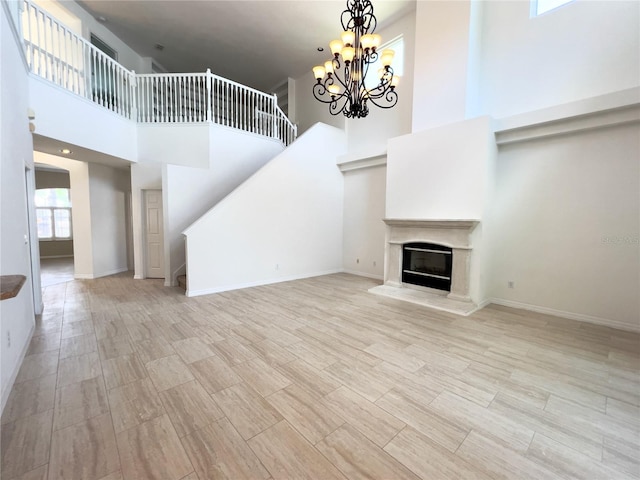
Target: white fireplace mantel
(456,234)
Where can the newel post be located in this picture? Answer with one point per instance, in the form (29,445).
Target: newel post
(209,96)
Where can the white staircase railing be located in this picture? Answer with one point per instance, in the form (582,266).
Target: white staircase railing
(57,54)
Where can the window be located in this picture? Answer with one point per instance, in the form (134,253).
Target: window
(102,46)
(538,7)
(397,45)
(53,213)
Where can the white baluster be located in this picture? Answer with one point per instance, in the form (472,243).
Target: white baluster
(148,98)
(30,49)
(119,99)
(163,96)
(101,78)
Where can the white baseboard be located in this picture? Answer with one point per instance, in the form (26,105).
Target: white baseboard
(363,274)
(111,272)
(570,315)
(91,276)
(238,286)
(483,303)
(83,276)
(14,374)
(138,277)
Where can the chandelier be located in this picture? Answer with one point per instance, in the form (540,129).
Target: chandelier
(342,81)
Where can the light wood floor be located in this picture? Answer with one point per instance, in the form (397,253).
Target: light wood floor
(55,270)
(314,379)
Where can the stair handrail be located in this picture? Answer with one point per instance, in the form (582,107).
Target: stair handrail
(55,52)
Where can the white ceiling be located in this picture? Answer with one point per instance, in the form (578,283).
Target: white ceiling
(53,147)
(257,43)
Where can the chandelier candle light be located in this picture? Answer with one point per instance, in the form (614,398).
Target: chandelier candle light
(341,81)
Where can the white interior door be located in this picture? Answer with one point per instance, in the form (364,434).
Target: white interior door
(154,243)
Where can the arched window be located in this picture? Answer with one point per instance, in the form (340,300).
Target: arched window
(53,213)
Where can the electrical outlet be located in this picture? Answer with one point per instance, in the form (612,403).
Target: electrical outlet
(357,260)
(374,263)
(511,284)
(8,339)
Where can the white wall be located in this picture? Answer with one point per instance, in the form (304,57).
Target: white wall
(69,118)
(442,49)
(284,222)
(188,192)
(364,230)
(107,195)
(307,110)
(441,173)
(583,49)
(566,217)
(176,144)
(371,133)
(16,314)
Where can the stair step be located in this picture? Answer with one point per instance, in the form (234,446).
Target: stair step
(182,281)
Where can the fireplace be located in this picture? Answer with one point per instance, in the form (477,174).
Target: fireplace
(432,253)
(427,265)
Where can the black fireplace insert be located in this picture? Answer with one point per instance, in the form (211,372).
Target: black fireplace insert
(427,265)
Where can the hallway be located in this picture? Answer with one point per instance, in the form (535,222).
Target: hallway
(56,270)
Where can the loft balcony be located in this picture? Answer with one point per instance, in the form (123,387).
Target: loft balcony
(62,64)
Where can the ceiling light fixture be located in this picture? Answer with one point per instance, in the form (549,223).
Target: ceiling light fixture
(65,151)
(341,82)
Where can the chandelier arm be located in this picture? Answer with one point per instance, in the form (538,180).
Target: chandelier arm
(319,91)
(391,97)
(333,107)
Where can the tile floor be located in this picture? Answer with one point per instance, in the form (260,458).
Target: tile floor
(314,379)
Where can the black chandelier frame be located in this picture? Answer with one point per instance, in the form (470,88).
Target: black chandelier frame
(353,98)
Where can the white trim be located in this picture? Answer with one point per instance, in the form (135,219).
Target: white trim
(363,274)
(83,276)
(483,303)
(14,374)
(360,160)
(138,277)
(208,291)
(91,276)
(609,110)
(570,315)
(620,116)
(111,272)
(56,256)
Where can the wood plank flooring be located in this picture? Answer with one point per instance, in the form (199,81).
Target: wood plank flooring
(314,379)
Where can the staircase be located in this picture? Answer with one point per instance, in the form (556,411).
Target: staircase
(148,109)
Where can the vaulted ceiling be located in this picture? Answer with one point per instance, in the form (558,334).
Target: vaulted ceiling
(257,43)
